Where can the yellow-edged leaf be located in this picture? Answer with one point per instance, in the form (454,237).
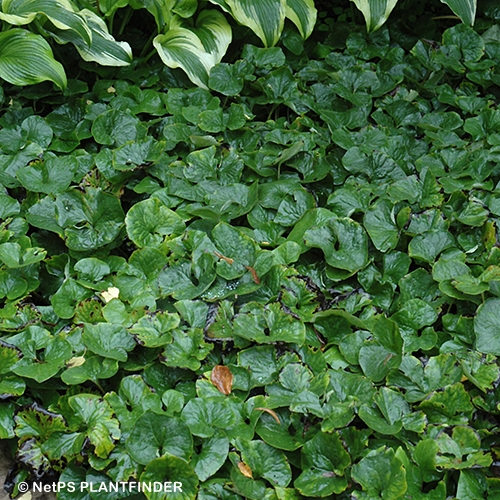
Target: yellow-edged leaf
(303,14)
(61,13)
(464,9)
(264,17)
(104,49)
(195,50)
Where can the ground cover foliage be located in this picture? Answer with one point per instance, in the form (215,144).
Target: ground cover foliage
(286,286)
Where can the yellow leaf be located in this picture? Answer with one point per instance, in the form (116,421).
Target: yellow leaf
(111,293)
(77,361)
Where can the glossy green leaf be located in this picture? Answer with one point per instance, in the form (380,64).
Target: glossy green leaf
(96,218)
(115,127)
(153,331)
(379,356)
(381,225)
(170,468)
(212,457)
(150,222)
(269,325)
(109,341)
(67,297)
(265,462)
(155,435)
(278,433)
(471,485)
(187,349)
(204,417)
(343,241)
(54,357)
(184,280)
(381,473)
(93,368)
(12,386)
(97,420)
(486,324)
(324,461)
(7,421)
(51,176)
(14,256)
(429,245)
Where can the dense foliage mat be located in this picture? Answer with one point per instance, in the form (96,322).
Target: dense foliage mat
(284,287)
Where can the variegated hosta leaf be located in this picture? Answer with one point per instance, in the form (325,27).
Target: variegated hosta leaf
(26,59)
(376,12)
(104,49)
(464,9)
(303,14)
(264,17)
(214,32)
(222,4)
(195,50)
(60,12)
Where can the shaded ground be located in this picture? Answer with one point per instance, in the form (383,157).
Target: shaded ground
(6,463)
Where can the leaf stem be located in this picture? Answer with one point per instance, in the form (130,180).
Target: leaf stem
(147,45)
(125,20)
(148,57)
(445,17)
(111,19)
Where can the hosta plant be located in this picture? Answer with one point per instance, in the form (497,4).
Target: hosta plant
(25,55)
(376,12)
(190,34)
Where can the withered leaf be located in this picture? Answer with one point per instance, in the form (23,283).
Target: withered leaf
(76,361)
(271,412)
(223,257)
(245,470)
(222,378)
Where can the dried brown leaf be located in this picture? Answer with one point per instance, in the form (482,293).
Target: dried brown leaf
(245,470)
(271,412)
(222,378)
(223,257)
(254,274)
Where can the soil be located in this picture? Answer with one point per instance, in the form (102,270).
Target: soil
(5,465)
